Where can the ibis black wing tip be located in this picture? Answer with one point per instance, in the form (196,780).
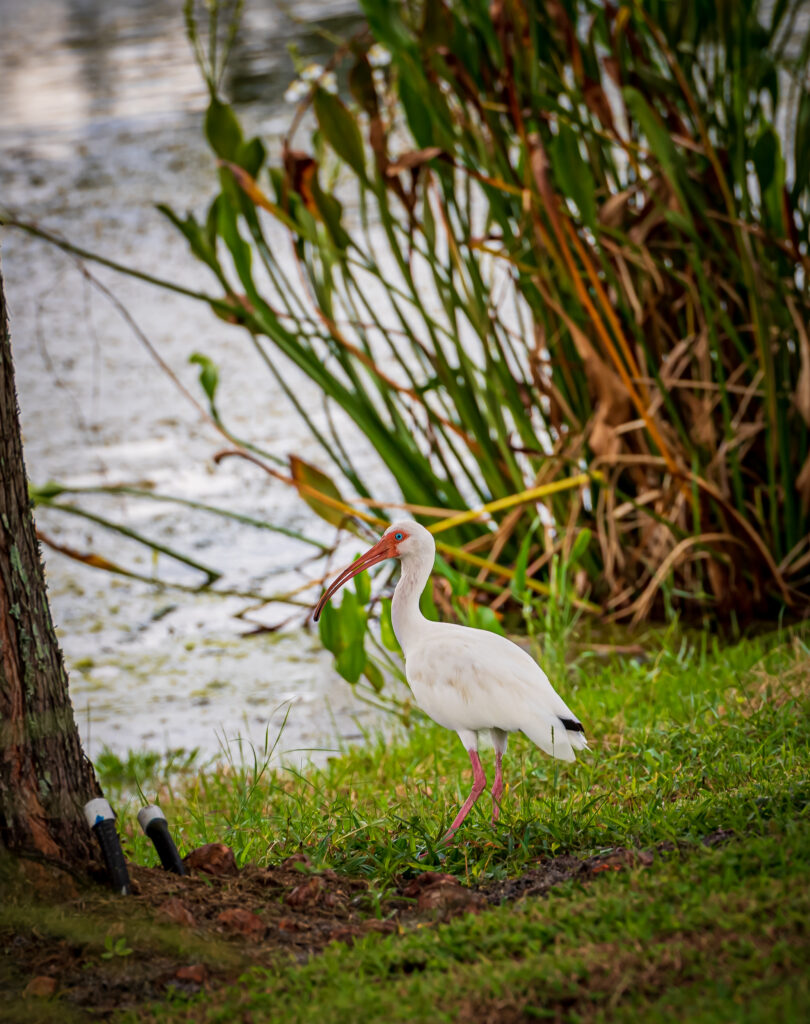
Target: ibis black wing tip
(572,725)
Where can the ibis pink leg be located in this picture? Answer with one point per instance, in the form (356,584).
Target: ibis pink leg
(499,741)
(497,787)
(479,784)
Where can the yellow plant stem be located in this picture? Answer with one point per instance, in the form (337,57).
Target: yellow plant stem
(461,555)
(520,498)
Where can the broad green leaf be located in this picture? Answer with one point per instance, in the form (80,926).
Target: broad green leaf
(764,157)
(427,604)
(580,546)
(209,375)
(251,156)
(802,145)
(331,211)
(769,78)
(387,26)
(228,229)
(362,587)
(572,175)
(360,625)
(352,628)
(361,85)
(387,634)
(658,139)
(518,582)
(351,662)
(44,492)
(329,629)
(222,130)
(374,675)
(199,239)
(417,113)
(485,618)
(770,167)
(351,624)
(276,176)
(340,130)
(211,224)
(305,223)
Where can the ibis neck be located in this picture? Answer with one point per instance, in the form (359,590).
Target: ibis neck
(406,618)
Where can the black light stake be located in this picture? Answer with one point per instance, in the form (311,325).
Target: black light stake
(153,821)
(101,819)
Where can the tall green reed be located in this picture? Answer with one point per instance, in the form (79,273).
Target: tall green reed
(537,243)
(578,239)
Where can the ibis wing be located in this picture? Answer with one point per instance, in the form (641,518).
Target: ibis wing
(472,679)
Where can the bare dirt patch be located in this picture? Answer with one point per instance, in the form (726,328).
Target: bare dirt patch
(98,952)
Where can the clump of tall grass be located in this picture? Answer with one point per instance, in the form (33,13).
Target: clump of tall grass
(574,274)
(579,244)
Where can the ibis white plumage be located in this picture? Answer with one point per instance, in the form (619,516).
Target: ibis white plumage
(468,680)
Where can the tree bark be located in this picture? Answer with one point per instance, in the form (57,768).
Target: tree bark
(45,777)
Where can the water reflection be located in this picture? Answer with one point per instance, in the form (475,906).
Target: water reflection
(72,66)
(100,116)
(94,33)
(261,69)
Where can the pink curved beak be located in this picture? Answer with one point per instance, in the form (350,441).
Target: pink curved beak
(386,547)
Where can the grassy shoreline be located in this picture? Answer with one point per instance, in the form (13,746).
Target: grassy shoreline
(684,836)
(690,741)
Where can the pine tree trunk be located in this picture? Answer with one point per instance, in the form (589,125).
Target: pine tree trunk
(45,778)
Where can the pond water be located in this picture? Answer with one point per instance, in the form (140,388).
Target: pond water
(100,118)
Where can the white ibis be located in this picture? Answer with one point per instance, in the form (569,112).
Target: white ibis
(468,680)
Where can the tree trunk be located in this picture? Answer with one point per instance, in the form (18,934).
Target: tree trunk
(45,778)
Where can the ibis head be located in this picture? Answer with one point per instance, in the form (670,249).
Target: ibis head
(407,541)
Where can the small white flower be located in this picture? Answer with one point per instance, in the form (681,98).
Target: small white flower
(312,72)
(296,91)
(328,82)
(378,56)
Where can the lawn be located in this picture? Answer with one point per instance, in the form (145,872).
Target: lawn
(666,874)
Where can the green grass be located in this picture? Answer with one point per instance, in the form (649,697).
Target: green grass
(695,739)
(707,933)
(691,740)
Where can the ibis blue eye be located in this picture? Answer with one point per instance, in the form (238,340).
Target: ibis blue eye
(398,536)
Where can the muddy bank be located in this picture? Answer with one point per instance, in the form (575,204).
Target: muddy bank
(101,953)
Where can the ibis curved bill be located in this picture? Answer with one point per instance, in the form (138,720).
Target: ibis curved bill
(468,680)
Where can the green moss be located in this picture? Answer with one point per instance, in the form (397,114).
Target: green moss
(17,566)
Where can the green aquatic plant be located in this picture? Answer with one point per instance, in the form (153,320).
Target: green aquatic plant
(577,241)
(548,254)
